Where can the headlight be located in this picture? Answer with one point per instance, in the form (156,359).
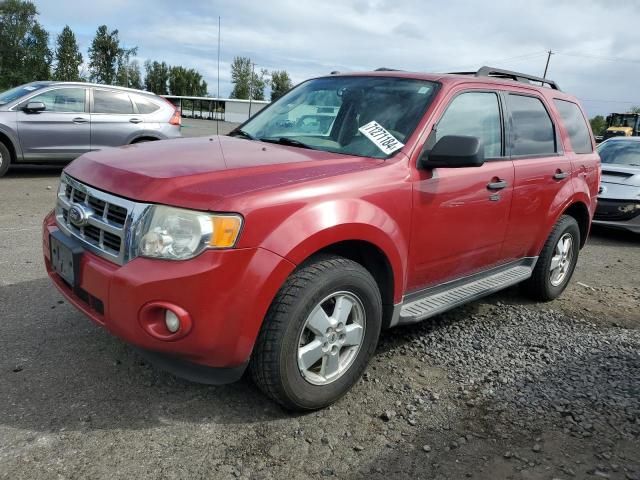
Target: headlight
(178,234)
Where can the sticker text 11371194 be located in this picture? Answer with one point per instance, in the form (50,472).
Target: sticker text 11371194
(380,137)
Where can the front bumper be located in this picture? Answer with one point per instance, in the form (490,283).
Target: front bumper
(623,214)
(225,292)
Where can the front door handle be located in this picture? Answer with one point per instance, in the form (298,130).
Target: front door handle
(135,120)
(79,120)
(560,175)
(497,185)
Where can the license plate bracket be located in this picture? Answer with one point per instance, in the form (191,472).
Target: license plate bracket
(65,258)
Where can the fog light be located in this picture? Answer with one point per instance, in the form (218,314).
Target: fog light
(172,321)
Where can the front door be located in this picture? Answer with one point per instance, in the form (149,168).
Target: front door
(61,131)
(460,215)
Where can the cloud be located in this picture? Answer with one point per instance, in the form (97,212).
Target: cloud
(309,38)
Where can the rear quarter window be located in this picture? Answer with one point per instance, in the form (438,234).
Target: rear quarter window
(576,126)
(145,105)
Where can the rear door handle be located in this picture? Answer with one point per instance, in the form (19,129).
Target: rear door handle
(560,175)
(135,120)
(499,185)
(79,120)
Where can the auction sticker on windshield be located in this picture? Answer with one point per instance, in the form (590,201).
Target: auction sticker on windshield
(380,137)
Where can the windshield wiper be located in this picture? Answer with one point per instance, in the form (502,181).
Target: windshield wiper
(287,141)
(241,133)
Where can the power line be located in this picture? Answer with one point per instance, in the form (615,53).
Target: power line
(633,102)
(517,57)
(600,57)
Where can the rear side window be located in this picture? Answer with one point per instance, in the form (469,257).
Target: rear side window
(111,102)
(145,105)
(533,132)
(476,114)
(576,125)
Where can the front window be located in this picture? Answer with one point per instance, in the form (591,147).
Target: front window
(62,100)
(620,152)
(364,116)
(19,92)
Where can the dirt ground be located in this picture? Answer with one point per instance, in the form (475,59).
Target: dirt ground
(501,388)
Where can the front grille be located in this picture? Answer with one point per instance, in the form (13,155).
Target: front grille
(104,221)
(617,210)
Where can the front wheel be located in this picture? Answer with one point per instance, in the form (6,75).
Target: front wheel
(319,334)
(556,261)
(5,159)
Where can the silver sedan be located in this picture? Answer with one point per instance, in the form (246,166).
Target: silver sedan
(619,198)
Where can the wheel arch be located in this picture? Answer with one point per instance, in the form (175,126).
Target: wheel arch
(375,261)
(580,212)
(8,142)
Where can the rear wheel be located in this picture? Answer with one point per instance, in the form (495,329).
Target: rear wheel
(557,261)
(5,159)
(319,334)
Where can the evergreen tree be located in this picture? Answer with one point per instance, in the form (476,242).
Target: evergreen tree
(24,52)
(68,57)
(104,53)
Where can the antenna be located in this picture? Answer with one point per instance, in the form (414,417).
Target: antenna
(218,93)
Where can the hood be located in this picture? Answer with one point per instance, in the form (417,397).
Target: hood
(200,172)
(620,174)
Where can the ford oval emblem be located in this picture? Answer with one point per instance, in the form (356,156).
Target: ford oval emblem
(79,215)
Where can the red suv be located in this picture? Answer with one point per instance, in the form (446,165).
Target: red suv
(353,203)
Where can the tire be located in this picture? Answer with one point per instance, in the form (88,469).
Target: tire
(329,283)
(544,285)
(5,159)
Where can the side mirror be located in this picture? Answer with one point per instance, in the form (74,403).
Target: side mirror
(34,107)
(454,151)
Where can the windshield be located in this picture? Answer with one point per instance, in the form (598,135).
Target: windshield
(365,116)
(21,91)
(620,152)
(623,120)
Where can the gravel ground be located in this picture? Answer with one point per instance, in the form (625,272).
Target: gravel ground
(501,388)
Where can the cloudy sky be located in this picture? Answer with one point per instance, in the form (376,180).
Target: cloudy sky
(596,43)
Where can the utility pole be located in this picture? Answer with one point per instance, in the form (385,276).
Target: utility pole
(217,103)
(253,67)
(546,67)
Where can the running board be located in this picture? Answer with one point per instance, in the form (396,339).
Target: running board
(427,303)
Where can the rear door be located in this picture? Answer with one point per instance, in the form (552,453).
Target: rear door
(61,132)
(460,215)
(543,173)
(114,121)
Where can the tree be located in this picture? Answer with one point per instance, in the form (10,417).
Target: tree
(124,68)
(135,77)
(24,52)
(156,77)
(245,81)
(68,57)
(280,84)
(634,109)
(187,82)
(598,124)
(104,54)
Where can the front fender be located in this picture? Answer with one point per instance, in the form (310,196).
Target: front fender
(320,225)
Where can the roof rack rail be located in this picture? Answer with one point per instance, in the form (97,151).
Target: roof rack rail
(386,69)
(508,74)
